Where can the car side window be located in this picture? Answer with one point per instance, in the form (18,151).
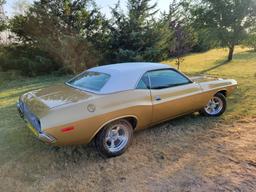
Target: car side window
(161,79)
(144,82)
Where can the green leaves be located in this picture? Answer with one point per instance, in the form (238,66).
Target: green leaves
(76,36)
(67,30)
(133,36)
(228,20)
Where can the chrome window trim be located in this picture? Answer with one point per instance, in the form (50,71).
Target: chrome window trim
(190,81)
(84,89)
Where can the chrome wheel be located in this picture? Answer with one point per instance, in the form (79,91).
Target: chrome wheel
(117,138)
(214,106)
(114,139)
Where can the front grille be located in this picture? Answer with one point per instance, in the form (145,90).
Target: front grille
(30,117)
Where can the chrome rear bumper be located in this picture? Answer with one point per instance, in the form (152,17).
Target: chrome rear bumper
(41,135)
(46,138)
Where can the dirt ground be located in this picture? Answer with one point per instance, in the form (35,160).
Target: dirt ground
(193,153)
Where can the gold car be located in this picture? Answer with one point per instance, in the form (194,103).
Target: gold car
(108,103)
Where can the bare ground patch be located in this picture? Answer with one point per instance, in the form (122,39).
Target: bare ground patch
(193,153)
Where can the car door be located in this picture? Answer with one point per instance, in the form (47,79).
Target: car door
(173,94)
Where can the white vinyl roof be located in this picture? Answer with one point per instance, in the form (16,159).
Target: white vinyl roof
(125,76)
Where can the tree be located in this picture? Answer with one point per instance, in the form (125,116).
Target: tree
(2,16)
(67,30)
(133,36)
(3,25)
(20,7)
(182,37)
(228,20)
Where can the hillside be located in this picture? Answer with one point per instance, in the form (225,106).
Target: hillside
(242,69)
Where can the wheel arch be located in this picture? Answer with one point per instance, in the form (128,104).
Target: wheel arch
(223,92)
(130,118)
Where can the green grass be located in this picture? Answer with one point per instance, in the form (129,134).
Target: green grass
(10,122)
(243,69)
(241,104)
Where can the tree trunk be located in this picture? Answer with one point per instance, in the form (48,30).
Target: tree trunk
(231,52)
(178,63)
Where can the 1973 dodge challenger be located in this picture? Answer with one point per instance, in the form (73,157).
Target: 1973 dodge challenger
(108,103)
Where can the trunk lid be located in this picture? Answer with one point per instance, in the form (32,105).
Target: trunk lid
(41,101)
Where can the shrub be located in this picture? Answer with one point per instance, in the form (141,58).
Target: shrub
(30,62)
(251,41)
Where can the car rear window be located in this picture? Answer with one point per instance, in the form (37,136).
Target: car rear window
(89,80)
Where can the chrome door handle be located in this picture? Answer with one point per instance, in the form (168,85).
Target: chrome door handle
(158,98)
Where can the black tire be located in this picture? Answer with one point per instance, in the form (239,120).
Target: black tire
(222,99)
(101,141)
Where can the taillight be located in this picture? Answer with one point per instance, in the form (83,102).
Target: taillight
(67,129)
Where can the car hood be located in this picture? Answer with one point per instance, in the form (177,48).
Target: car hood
(202,79)
(42,100)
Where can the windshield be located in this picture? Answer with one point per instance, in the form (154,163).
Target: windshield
(89,80)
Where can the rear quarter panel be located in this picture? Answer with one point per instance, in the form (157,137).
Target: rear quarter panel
(133,103)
